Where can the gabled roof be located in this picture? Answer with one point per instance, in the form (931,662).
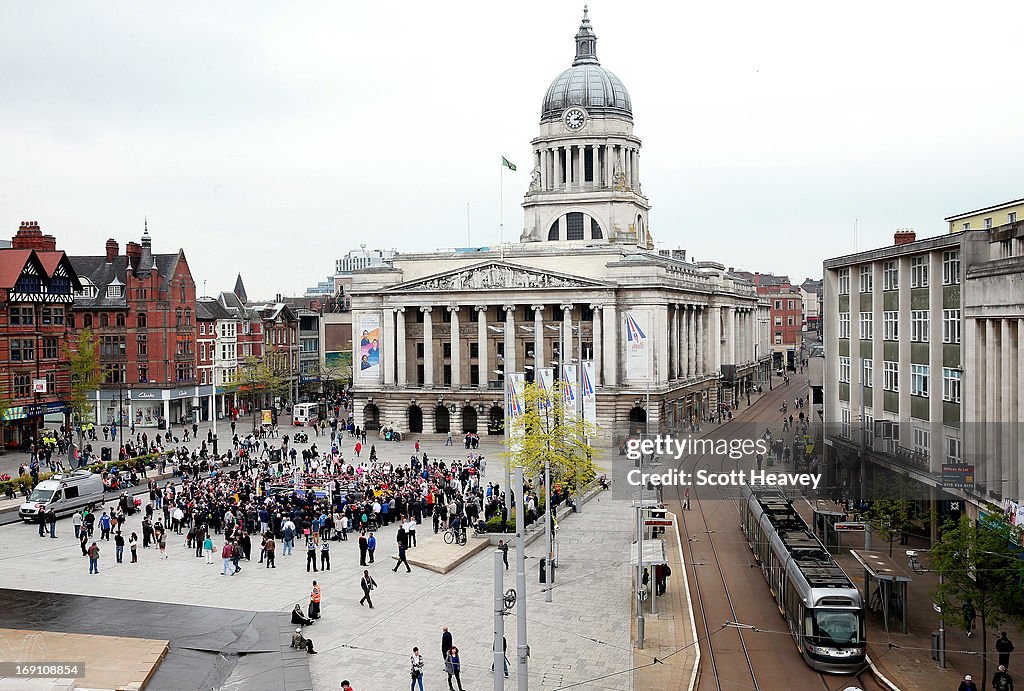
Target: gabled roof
(103,273)
(46,264)
(240,290)
(211,310)
(12,263)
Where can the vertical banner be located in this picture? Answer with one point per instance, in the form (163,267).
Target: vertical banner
(514,385)
(546,383)
(638,344)
(588,393)
(570,392)
(369,346)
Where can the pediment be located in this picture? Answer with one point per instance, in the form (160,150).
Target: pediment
(495,276)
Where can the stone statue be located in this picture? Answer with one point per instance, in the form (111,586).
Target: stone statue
(618,179)
(535,180)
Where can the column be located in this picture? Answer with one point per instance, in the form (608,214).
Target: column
(991,475)
(700,363)
(677,341)
(509,364)
(1007,420)
(456,343)
(483,366)
(636,169)
(1018,391)
(596,336)
(628,162)
(566,357)
(691,341)
(428,348)
(538,337)
(610,329)
(403,369)
(387,334)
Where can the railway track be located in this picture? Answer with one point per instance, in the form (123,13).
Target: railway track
(745,643)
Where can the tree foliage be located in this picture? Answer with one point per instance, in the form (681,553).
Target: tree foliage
(83,365)
(894,507)
(545,433)
(980,565)
(258,378)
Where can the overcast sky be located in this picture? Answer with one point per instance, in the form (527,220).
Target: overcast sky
(271,138)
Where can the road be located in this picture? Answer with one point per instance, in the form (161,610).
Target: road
(727,586)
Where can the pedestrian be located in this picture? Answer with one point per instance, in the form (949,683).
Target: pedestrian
(346,686)
(310,554)
(51,520)
(967,684)
(446,643)
(453,667)
(416,662)
(402,559)
(969,615)
(236,556)
(1004,647)
(162,542)
(686,498)
(83,541)
(119,547)
(104,526)
(504,552)
(367,584)
(314,602)
(208,548)
(270,547)
(225,554)
(299,642)
(133,546)
(371,545)
(325,555)
(77,520)
(94,558)
(1001,680)
(363,546)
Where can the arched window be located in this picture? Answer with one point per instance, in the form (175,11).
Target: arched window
(595,230)
(119,319)
(141,320)
(553,233)
(104,320)
(574,226)
(87,321)
(641,233)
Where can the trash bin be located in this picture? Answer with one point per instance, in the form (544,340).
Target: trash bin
(105,454)
(544,571)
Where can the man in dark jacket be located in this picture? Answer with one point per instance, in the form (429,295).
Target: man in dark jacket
(446,642)
(1001,680)
(1004,647)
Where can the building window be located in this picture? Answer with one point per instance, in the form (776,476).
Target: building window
(844,281)
(845,422)
(890,375)
(51,382)
(202,328)
(844,325)
(119,320)
(919,272)
(922,441)
(115,291)
(112,373)
(866,326)
(595,230)
(867,373)
(574,226)
(891,276)
(142,345)
(844,369)
(188,317)
(951,384)
(177,317)
(50,350)
(890,326)
(951,326)
(22,350)
(553,232)
(789,304)
(778,321)
(778,338)
(184,345)
(953,455)
(966,226)
(866,282)
(868,430)
(22,385)
(52,316)
(104,320)
(988,223)
(919,380)
(951,268)
(919,325)
(1011,217)
(141,320)
(22,316)
(112,346)
(87,321)
(790,321)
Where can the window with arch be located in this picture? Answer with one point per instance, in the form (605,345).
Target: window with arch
(553,233)
(119,320)
(177,317)
(641,233)
(595,230)
(574,226)
(86,321)
(141,320)
(104,320)
(188,317)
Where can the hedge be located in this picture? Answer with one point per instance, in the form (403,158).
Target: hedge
(494,524)
(18,481)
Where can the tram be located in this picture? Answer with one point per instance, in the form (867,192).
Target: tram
(820,603)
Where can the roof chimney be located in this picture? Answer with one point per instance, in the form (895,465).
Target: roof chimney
(902,237)
(29,237)
(133,251)
(112,250)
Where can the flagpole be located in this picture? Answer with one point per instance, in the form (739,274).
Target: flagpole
(501,209)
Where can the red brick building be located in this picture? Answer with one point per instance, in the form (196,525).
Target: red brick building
(786,315)
(141,308)
(37,285)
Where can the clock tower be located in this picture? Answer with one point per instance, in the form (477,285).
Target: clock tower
(585,185)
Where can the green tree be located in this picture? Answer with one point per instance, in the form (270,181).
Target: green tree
(978,564)
(894,506)
(546,435)
(259,379)
(335,373)
(83,365)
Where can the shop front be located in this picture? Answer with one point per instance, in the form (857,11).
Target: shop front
(151,407)
(21,422)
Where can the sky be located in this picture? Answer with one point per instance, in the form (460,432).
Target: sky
(271,138)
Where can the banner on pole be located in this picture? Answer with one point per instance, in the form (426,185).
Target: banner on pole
(515,382)
(546,383)
(570,392)
(638,345)
(588,393)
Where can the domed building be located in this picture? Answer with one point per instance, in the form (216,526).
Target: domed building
(438,331)
(585,186)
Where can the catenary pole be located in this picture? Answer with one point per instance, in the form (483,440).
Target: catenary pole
(499,622)
(522,648)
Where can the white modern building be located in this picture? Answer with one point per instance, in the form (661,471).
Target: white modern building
(434,333)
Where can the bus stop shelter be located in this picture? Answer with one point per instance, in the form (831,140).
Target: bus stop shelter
(824,520)
(654,555)
(885,587)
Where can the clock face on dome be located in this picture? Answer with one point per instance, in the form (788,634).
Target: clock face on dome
(574,119)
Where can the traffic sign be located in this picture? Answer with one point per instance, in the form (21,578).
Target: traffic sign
(849,527)
(658,521)
(642,593)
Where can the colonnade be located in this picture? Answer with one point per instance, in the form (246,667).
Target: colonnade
(562,167)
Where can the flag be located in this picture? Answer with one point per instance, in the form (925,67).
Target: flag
(505,162)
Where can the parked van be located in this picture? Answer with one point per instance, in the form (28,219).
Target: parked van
(303,413)
(65,494)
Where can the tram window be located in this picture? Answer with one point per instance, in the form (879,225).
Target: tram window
(837,627)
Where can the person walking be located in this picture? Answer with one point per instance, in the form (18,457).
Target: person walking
(371,546)
(270,548)
(363,547)
(967,684)
(133,546)
(314,602)
(446,644)
(367,584)
(310,553)
(94,558)
(119,547)
(453,667)
(77,522)
(325,555)
(288,529)
(416,663)
(225,554)
(104,527)
(402,559)
(83,541)
(1001,680)
(969,615)
(208,548)
(1004,647)
(162,542)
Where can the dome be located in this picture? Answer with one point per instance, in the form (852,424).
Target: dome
(586,84)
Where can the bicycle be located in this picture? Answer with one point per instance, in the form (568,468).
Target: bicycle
(451,536)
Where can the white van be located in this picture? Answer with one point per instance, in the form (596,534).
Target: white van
(65,494)
(303,413)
